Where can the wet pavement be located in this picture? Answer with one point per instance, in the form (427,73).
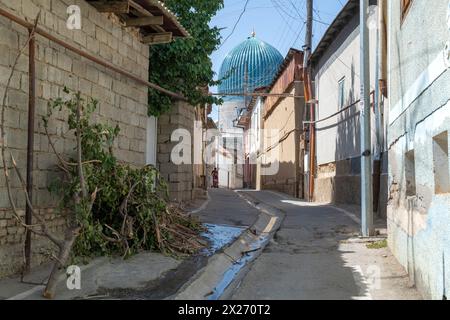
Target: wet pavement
(219,236)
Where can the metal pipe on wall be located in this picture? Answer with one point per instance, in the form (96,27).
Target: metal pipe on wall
(30,146)
(88,56)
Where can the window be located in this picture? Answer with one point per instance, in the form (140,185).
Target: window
(406,4)
(441,163)
(341,95)
(410,174)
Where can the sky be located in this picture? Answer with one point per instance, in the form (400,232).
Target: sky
(280,23)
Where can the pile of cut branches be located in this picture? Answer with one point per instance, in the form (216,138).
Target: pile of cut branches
(131,211)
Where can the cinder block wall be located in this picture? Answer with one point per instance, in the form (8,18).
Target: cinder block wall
(122,101)
(179,177)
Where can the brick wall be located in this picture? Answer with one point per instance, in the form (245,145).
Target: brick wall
(179,177)
(121,101)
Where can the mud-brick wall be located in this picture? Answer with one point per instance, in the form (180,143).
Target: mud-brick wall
(281,121)
(121,101)
(178,176)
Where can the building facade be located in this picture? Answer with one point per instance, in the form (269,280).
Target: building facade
(418,76)
(283,122)
(336,75)
(123,100)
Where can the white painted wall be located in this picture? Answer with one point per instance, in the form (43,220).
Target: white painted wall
(339,137)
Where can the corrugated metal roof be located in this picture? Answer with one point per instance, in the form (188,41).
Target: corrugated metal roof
(171,23)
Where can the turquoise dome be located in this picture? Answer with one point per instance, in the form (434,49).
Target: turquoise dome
(260,59)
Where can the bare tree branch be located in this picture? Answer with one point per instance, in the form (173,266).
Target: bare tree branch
(41,229)
(2,123)
(84,191)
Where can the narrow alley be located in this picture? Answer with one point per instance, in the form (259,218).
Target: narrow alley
(224,150)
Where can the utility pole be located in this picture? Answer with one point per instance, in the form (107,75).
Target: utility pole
(308,94)
(366,139)
(309,30)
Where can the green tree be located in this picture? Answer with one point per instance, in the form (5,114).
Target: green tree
(184,65)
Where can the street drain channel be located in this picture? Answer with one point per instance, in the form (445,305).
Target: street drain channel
(218,237)
(230,275)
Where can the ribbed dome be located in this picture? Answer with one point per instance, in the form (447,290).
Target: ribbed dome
(259,58)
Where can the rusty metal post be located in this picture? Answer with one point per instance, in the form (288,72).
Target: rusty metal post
(30,147)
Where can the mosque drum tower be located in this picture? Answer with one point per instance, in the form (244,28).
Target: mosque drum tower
(250,65)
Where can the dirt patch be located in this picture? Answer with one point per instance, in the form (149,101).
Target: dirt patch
(377,245)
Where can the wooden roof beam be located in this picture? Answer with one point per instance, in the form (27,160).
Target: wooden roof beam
(140,11)
(158,38)
(145,21)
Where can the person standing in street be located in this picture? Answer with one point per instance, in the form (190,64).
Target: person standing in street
(215,178)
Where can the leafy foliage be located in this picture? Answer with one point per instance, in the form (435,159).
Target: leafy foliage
(130,212)
(185,66)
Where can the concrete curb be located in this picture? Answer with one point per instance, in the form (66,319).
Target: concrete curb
(35,293)
(222,270)
(349,214)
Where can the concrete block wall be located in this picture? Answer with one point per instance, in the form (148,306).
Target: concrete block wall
(179,177)
(121,101)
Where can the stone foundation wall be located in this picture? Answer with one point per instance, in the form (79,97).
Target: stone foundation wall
(340,182)
(121,101)
(286,186)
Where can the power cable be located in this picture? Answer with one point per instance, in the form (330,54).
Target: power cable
(236,24)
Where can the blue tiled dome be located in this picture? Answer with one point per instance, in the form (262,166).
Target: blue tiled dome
(258,57)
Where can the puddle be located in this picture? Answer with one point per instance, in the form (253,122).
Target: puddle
(220,236)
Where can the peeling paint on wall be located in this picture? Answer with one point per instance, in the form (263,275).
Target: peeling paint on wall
(419,222)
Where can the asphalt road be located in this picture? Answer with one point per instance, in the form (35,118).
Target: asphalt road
(316,255)
(227,208)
